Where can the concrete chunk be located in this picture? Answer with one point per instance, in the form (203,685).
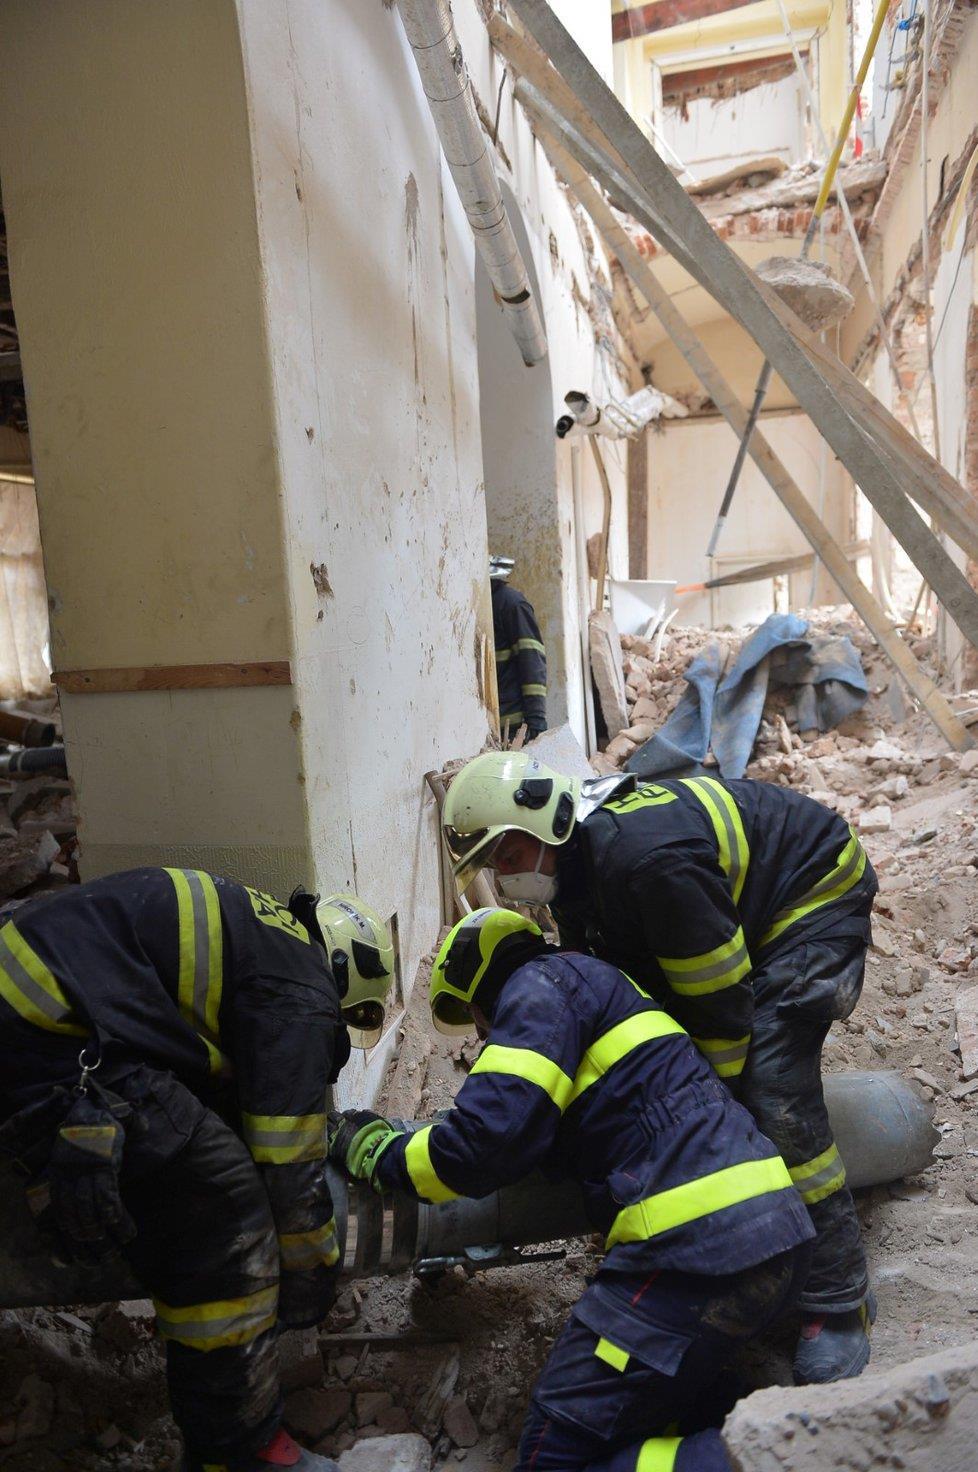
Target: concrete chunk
(920,1416)
(408,1453)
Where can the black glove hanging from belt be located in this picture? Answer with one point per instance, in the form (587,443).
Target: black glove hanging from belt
(83,1174)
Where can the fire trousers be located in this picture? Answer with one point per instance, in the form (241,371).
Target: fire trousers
(799,992)
(635,1378)
(205,1248)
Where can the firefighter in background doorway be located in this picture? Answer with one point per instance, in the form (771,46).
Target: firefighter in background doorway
(167,1040)
(744,908)
(521,660)
(707,1239)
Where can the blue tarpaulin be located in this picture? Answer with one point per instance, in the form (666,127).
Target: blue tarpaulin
(723,712)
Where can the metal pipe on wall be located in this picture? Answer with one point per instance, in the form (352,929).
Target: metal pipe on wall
(431,31)
(883,1127)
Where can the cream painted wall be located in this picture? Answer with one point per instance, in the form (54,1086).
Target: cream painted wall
(249,333)
(689,464)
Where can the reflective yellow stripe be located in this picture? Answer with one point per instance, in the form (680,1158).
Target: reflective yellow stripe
(201,975)
(658,1454)
(602,1055)
(31,989)
(515,718)
(282,1139)
(712,971)
(502,655)
(726,1055)
(734,853)
(818,1178)
(687,1203)
(529,644)
(611,1354)
(533,689)
(618,1041)
(207,1326)
(849,869)
(304,1250)
(424,1177)
(93,1139)
(524,1063)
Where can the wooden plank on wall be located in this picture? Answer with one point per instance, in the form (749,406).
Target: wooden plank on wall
(135,678)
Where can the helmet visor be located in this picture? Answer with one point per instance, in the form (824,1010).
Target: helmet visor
(470,852)
(365,1023)
(451,1015)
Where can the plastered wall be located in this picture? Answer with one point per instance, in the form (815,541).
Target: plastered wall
(262,440)
(689,464)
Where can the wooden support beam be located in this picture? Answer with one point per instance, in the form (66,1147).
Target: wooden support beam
(140,678)
(788,492)
(749,301)
(898,453)
(662,15)
(725,78)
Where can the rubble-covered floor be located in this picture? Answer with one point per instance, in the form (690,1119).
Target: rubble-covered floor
(84,1391)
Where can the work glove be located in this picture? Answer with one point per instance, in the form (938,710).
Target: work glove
(83,1175)
(356,1139)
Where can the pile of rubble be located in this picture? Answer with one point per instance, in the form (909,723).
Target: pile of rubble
(38,823)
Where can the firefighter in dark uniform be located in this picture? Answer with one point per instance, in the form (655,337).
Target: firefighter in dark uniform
(745,909)
(707,1241)
(521,660)
(167,1040)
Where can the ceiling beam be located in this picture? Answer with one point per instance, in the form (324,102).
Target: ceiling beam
(662,15)
(726,78)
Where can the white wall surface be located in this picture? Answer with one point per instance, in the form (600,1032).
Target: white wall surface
(689,464)
(954,291)
(371,299)
(715,136)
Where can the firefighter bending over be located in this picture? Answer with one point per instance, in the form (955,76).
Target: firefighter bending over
(167,1039)
(707,1239)
(744,908)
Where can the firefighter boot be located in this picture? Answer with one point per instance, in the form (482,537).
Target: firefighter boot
(281,1452)
(835,1346)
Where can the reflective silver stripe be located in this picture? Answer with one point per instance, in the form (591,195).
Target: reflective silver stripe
(242,1322)
(202,946)
(733,1054)
(837,877)
(25,983)
(717,800)
(823,1178)
(310,1249)
(707,973)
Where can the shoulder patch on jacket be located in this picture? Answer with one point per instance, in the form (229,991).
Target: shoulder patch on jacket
(645,795)
(270,912)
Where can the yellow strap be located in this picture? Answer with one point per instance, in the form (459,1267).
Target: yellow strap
(687,1203)
(31,989)
(711,971)
(820,1177)
(201,973)
(849,869)
(424,1177)
(724,814)
(301,1251)
(658,1454)
(611,1354)
(207,1326)
(282,1139)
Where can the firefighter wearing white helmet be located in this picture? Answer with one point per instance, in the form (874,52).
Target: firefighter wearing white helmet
(745,909)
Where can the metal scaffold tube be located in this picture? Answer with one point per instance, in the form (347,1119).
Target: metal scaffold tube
(430,29)
(882,1126)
